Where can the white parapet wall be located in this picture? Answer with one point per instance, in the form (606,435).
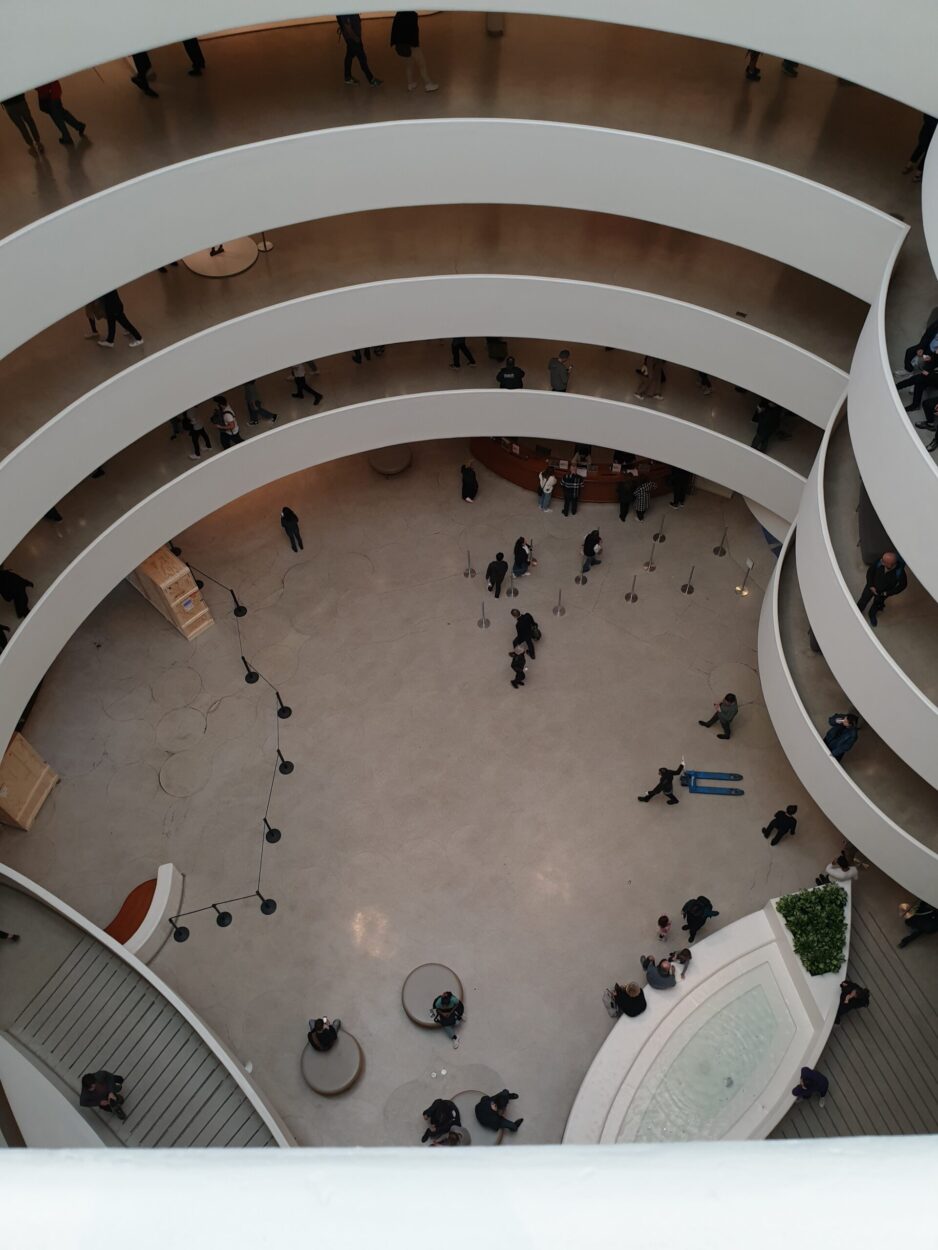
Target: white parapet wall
(154,930)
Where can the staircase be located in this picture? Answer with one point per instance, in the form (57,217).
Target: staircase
(96,1012)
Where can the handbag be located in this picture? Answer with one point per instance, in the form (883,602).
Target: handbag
(402,49)
(609,1002)
(536,633)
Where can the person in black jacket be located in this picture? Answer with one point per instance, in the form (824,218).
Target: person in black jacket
(469,482)
(495,573)
(489,1110)
(917,156)
(114,313)
(852,997)
(572,484)
(592,550)
(441,1116)
(885,577)
(518,667)
(527,631)
(926,346)
(680,483)
(625,489)
(768,419)
(665,784)
(697,911)
(323,1033)
(13,590)
(781,824)
(291,525)
(350,28)
(630,999)
(510,377)
(405,40)
(103,1090)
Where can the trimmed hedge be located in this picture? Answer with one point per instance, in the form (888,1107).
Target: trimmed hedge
(816,921)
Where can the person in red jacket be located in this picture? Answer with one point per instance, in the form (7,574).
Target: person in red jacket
(50,102)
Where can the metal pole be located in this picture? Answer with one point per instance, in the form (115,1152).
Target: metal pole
(743,588)
(720,548)
(265,244)
(483,622)
(558,609)
(631,596)
(660,537)
(688,587)
(649,566)
(468,571)
(512,591)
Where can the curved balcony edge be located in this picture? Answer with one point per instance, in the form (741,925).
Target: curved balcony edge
(346,431)
(41,471)
(888,846)
(389,165)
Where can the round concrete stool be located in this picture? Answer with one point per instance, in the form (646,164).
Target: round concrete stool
(332,1072)
(390,461)
(425,984)
(239,254)
(481,1136)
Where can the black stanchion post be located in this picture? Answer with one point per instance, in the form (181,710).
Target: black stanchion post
(222,918)
(649,566)
(660,536)
(688,587)
(265,244)
(268,905)
(631,596)
(250,674)
(286,766)
(239,608)
(271,834)
(720,548)
(180,932)
(743,588)
(283,711)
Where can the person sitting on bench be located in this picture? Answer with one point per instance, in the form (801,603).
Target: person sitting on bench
(489,1110)
(448,1012)
(103,1090)
(323,1033)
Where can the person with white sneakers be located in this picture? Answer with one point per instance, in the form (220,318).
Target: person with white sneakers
(405,40)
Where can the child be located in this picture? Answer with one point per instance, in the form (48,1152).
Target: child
(664,928)
(683,958)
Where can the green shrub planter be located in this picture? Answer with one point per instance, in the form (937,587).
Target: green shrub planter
(815,919)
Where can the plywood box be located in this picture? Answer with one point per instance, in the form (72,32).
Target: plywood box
(168,584)
(26,781)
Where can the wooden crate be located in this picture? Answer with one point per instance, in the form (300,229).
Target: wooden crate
(168,584)
(26,781)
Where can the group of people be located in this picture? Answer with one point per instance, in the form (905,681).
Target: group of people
(445,1126)
(920,373)
(661,973)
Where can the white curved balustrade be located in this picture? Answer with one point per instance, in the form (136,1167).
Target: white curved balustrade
(890,847)
(441,161)
(886,697)
(861,40)
(342,432)
(48,464)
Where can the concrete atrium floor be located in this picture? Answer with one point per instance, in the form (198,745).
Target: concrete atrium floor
(435,814)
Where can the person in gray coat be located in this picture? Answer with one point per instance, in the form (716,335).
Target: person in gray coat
(726,710)
(660,975)
(559,367)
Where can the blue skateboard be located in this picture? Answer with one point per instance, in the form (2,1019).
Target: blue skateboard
(691,778)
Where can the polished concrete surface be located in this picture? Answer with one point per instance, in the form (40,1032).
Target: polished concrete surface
(435,814)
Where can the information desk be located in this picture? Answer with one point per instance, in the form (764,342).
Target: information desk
(523,465)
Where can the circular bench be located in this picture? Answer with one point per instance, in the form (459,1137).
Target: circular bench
(390,461)
(422,986)
(239,254)
(466,1101)
(332,1072)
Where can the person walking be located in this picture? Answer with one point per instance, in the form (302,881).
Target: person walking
(495,573)
(592,550)
(17,109)
(441,1116)
(518,666)
(920,918)
(350,28)
(469,483)
(664,927)
(192,424)
(652,378)
(559,368)
(115,316)
(50,103)
(917,156)
(812,1082)
(255,408)
(448,1012)
(527,631)
(291,527)
(141,78)
(546,481)
(642,497)
(193,50)
(725,713)
(522,560)
(660,975)
(768,420)
(782,823)
(572,484)
(680,484)
(405,40)
(302,387)
(885,577)
(625,492)
(459,347)
(103,1090)
(489,1111)
(842,735)
(696,911)
(665,785)
(223,418)
(13,590)
(852,998)
(510,377)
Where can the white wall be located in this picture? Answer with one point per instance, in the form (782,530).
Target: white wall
(344,431)
(899,712)
(888,846)
(865,41)
(54,459)
(46,1117)
(441,161)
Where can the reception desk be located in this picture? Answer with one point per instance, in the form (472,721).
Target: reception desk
(520,461)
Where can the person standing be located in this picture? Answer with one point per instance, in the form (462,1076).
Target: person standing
(298,374)
(642,497)
(448,1012)
(141,79)
(522,561)
(697,911)
(527,631)
(680,484)
(459,347)
(17,109)
(885,577)
(13,590)
(405,40)
(193,50)
(653,378)
(852,998)
(625,491)
(291,527)
(255,408)
(725,712)
(50,103)
(592,550)
(350,28)
(842,735)
(518,667)
(469,483)
(489,1111)
(812,1082)
(510,377)
(782,823)
(4,637)
(559,367)
(224,419)
(546,481)
(572,484)
(495,573)
(923,142)
(665,785)
(192,423)
(115,316)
